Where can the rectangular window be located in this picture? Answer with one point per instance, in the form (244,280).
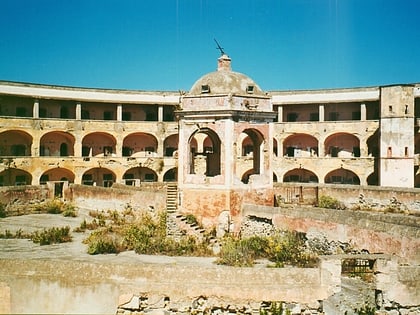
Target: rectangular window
(20,180)
(389,152)
(108,115)
(314,117)
(42,113)
(107,151)
(333,116)
(292,117)
(126,116)
(85,114)
(356,116)
(406,151)
(87,179)
(21,112)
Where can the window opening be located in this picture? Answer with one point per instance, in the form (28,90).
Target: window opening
(389,152)
(250,89)
(108,115)
(205,88)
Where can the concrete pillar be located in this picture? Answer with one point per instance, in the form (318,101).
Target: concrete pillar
(321,113)
(321,148)
(78,145)
(280,113)
(160,147)
(36,109)
(78,111)
(362,112)
(119,112)
(160,113)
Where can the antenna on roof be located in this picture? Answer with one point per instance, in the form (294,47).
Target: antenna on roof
(222,52)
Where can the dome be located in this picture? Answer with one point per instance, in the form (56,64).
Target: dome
(225,81)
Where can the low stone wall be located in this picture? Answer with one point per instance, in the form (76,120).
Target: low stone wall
(19,200)
(352,196)
(57,286)
(119,197)
(372,231)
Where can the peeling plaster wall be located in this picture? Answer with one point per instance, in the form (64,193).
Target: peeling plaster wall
(79,287)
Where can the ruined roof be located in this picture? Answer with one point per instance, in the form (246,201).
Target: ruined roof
(225,81)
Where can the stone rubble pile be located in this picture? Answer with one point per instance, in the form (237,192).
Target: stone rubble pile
(162,305)
(252,226)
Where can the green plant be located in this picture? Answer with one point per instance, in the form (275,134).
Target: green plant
(3,212)
(52,236)
(69,211)
(330,203)
(366,310)
(191,219)
(101,243)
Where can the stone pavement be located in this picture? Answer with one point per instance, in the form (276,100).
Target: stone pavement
(75,250)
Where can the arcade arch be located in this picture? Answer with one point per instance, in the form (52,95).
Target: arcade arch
(300,175)
(342,176)
(15,177)
(170,145)
(139,174)
(56,143)
(204,153)
(342,145)
(98,144)
(98,176)
(57,174)
(300,145)
(139,144)
(15,143)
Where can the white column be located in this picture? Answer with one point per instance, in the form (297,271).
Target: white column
(78,111)
(119,112)
(160,113)
(280,113)
(36,109)
(321,113)
(362,112)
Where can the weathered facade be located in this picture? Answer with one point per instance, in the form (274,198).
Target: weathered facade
(225,141)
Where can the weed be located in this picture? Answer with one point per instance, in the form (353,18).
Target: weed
(52,236)
(330,203)
(3,212)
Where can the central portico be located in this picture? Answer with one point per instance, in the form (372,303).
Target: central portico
(225,119)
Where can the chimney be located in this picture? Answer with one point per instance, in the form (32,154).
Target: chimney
(223,63)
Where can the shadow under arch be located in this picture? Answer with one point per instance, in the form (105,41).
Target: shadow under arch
(342,176)
(204,153)
(300,175)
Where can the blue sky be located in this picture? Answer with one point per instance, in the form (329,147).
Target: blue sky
(168,44)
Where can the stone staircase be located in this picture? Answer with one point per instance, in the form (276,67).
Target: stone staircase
(171,198)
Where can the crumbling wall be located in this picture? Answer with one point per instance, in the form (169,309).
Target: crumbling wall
(19,200)
(58,286)
(119,197)
(352,196)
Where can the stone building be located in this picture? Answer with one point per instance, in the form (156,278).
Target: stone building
(224,142)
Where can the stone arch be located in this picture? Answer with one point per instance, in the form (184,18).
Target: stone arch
(373,144)
(170,145)
(252,145)
(171,175)
(98,144)
(342,144)
(56,143)
(15,143)
(204,160)
(141,174)
(15,177)
(140,144)
(300,175)
(342,176)
(57,174)
(373,179)
(99,176)
(300,145)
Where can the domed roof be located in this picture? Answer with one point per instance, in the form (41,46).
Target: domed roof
(225,81)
